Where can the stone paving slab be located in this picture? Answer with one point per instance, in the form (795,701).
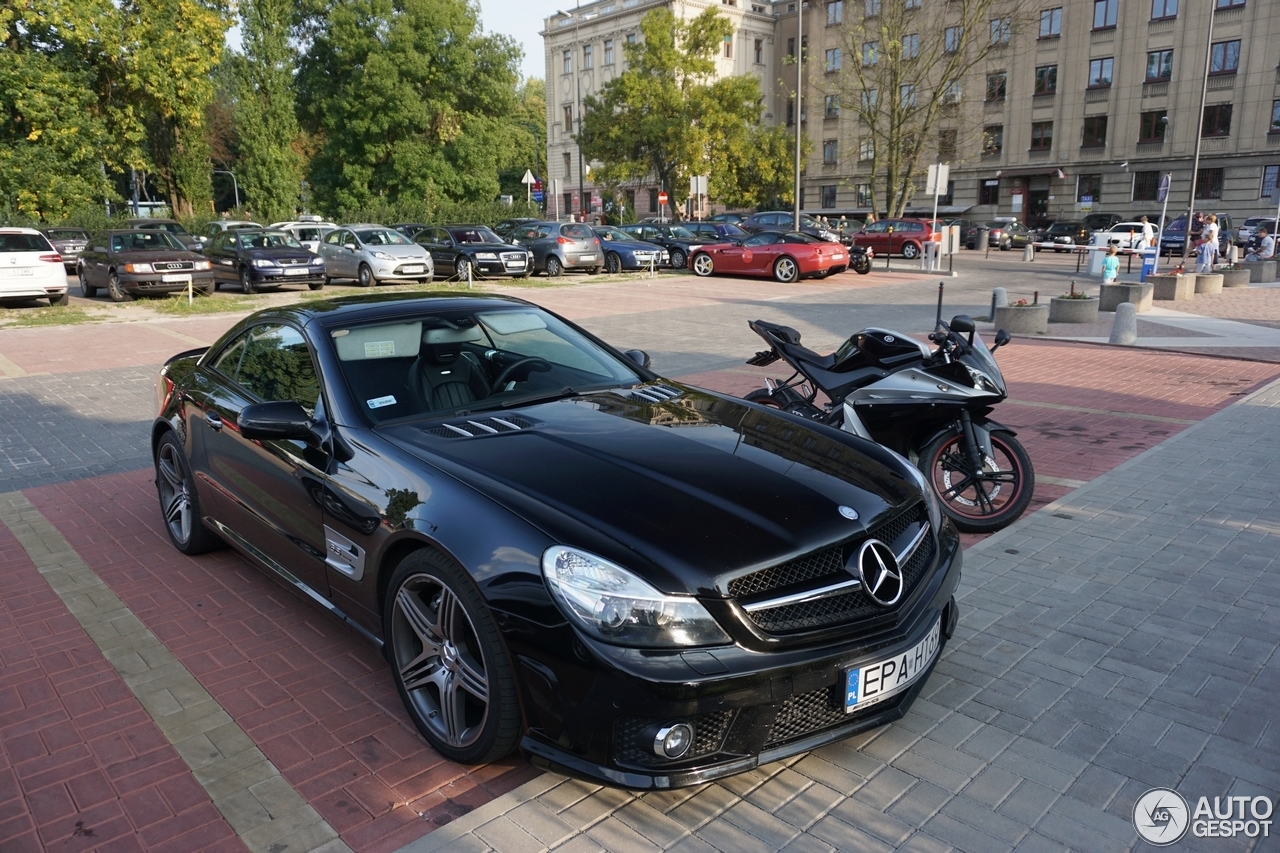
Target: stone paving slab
(1122,638)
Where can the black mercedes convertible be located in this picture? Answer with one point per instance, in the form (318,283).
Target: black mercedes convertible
(630,579)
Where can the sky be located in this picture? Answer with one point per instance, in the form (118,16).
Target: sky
(522,20)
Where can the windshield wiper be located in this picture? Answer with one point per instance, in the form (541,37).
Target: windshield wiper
(541,397)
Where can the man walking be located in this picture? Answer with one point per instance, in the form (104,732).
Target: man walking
(1148,234)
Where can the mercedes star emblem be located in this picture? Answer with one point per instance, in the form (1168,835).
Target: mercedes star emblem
(879,572)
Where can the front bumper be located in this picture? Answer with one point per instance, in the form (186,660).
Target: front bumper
(594,717)
(387,270)
(154,283)
(276,276)
(501,267)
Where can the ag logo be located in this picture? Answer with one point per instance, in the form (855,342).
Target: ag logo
(1160,816)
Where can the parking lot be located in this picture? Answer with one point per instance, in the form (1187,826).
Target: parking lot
(1120,637)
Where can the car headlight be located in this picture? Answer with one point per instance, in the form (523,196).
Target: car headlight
(138,268)
(613,605)
(317,262)
(383,256)
(982,381)
(202,265)
(486,256)
(263,263)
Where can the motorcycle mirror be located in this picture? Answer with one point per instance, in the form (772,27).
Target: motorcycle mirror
(639,356)
(1002,338)
(962,323)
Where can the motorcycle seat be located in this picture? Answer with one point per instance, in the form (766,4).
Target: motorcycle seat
(789,339)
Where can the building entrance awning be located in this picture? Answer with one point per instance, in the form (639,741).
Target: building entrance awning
(1023,171)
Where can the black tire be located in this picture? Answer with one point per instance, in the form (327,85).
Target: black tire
(179,502)
(786,270)
(593,270)
(364,276)
(910,251)
(862,265)
(678,259)
(1005,245)
(703,265)
(316,285)
(207,289)
(114,290)
(612,263)
(460,267)
(327,281)
(469,659)
(995,499)
(88,290)
(246,282)
(554,267)
(64,299)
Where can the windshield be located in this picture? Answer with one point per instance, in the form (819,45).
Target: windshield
(441,364)
(679,232)
(981,358)
(270,240)
(998,225)
(1064,227)
(474,235)
(383,237)
(24,243)
(614,234)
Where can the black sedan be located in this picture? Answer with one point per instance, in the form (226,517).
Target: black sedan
(462,250)
(630,579)
(679,241)
(140,263)
(260,259)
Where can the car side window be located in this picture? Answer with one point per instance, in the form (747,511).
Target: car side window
(276,366)
(760,240)
(876,228)
(332,237)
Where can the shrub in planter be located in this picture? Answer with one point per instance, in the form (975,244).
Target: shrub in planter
(1073,307)
(1021,317)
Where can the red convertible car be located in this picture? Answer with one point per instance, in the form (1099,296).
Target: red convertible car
(787,256)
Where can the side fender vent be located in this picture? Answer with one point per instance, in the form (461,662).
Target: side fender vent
(654,393)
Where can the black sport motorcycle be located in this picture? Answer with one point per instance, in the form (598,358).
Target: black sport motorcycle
(860,259)
(930,406)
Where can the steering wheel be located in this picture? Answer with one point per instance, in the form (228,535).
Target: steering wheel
(540,364)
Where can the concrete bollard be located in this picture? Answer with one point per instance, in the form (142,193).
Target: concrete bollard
(1001,296)
(1125,328)
(1028,252)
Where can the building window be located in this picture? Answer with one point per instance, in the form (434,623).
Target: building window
(1225,58)
(1159,65)
(871,8)
(911,4)
(1001,30)
(568,120)
(989,191)
(993,139)
(947,139)
(1046,79)
(1088,188)
(568,62)
(1270,175)
(996,85)
(910,46)
(1104,13)
(1229,4)
(1275,117)
(951,94)
(831,106)
(759,51)
(608,51)
(1209,183)
(567,200)
(1050,23)
(1146,186)
(791,48)
(833,59)
(791,111)
(631,38)
(835,13)
(862,195)
(1217,120)
(870,52)
(653,201)
(728,47)
(1041,135)
(1095,132)
(866,149)
(951,39)
(828,193)
(1161,9)
(629,199)
(870,99)
(1100,73)
(568,165)
(907,96)
(1151,126)
(830,152)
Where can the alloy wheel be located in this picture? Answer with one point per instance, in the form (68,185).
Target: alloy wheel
(175,499)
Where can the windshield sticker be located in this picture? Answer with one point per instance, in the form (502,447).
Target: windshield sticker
(379,402)
(379,349)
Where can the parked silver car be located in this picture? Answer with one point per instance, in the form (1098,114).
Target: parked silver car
(560,246)
(372,254)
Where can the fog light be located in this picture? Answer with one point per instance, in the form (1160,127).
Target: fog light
(673,741)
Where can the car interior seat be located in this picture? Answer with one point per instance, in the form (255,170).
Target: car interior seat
(444,377)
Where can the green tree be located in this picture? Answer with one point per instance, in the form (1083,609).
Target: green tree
(269,167)
(407,98)
(667,117)
(527,138)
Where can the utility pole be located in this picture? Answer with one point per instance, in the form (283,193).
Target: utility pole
(1195,161)
(799,103)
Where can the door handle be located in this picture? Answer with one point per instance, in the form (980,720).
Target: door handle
(214,420)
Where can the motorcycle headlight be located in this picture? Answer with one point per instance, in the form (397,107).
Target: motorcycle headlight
(264,263)
(613,605)
(982,381)
(486,256)
(383,256)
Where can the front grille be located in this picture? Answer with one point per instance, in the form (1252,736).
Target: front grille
(480,426)
(809,567)
(805,714)
(173,266)
(293,262)
(629,736)
(513,257)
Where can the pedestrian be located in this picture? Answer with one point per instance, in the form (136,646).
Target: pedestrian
(1266,246)
(1148,234)
(1204,255)
(1110,266)
(871,218)
(1211,231)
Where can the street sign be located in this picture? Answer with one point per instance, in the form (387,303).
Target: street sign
(528,177)
(662,197)
(939,176)
(1162,194)
(698,185)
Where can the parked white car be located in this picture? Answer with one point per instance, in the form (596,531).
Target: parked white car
(1250,226)
(30,268)
(307,230)
(1126,235)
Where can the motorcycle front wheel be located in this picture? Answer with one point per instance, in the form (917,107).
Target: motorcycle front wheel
(983,501)
(862,265)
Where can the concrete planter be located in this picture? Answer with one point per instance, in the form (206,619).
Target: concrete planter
(1209,282)
(1023,319)
(1235,278)
(1260,272)
(1173,288)
(1064,310)
(1113,294)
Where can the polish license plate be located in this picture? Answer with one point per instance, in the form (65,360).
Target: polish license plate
(296,271)
(837,257)
(875,682)
(415,268)
(176,276)
(20,271)
(585,258)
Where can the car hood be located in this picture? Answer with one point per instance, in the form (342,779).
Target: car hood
(687,491)
(395,251)
(282,254)
(629,245)
(145,257)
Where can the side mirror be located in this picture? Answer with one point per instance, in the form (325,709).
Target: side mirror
(350,247)
(203,239)
(280,421)
(639,356)
(962,323)
(1002,338)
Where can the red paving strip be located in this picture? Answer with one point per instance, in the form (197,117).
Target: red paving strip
(82,765)
(316,699)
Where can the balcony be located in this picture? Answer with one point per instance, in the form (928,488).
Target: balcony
(1215,143)
(1104,36)
(1094,96)
(1226,81)
(1227,16)
(1152,90)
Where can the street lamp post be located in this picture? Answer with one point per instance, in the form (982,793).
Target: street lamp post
(235,187)
(799,103)
(1195,160)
